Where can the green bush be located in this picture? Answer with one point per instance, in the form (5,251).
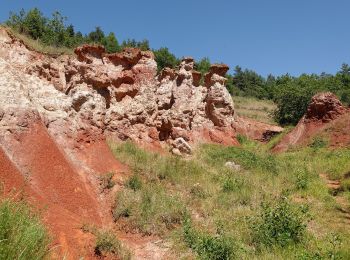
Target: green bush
(207,246)
(149,210)
(106,181)
(165,58)
(22,235)
(318,142)
(107,243)
(134,183)
(279,224)
(231,184)
(302,180)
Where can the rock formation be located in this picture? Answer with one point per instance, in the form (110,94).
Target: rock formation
(98,95)
(325,117)
(57,112)
(325,107)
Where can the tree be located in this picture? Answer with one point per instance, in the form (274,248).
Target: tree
(164,58)
(203,65)
(34,23)
(249,83)
(96,36)
(111,43)
(143,45)
(55,30)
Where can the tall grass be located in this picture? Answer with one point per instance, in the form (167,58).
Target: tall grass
(22,235)
(214,197)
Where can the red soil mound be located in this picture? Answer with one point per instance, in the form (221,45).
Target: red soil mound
(68,199)
(326,118)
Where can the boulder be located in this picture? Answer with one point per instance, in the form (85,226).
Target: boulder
(325,107)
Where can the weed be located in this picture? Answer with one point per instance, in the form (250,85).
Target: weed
(197,191)
(149,210)
(279,224)
(302,180)
(22,235)
(345,184)
(207,246)
(231,184)
(107,243)
(318,143)
(134,183)
(106,181)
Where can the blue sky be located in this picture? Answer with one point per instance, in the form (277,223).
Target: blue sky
(268,36)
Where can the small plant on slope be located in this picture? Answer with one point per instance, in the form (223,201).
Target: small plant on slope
(22,236)
(279,224)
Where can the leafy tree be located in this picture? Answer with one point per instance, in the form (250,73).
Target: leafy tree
(96,36)
(33,23)
(111,43)
(165,58)
(249,82)
(143,45)
(203,65)
(55,31)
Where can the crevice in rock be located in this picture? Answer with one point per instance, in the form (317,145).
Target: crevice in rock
(106,94)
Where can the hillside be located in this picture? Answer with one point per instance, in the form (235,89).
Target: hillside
(124,161)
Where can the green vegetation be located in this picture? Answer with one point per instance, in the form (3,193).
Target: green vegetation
(22,235)
(106,181)
(107,243)
(279,224)
(257,109)
(276,207)
(207,246)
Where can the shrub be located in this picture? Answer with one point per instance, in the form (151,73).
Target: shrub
(149,210)
(318,142)
(22,235)
(207,246)
(279,224)
(302,180)
(165,58)
(107,243)
(134,183)
(292,101)
(231,184)
(106,181)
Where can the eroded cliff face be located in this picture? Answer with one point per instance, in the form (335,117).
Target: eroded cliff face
(97,95)
(57,112)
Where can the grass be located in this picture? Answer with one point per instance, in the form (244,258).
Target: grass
(106,181)
(260,110)
(221,204)
(22,235)
(38,46)
(107,244)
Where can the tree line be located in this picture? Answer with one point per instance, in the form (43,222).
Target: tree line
(291,94)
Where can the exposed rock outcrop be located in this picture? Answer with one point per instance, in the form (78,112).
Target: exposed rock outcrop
(56,113)
(325,107)
(326,118)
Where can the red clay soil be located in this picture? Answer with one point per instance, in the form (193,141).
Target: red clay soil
(98,157)
(336,132)
(67,198)
(11,178)
(256,130)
